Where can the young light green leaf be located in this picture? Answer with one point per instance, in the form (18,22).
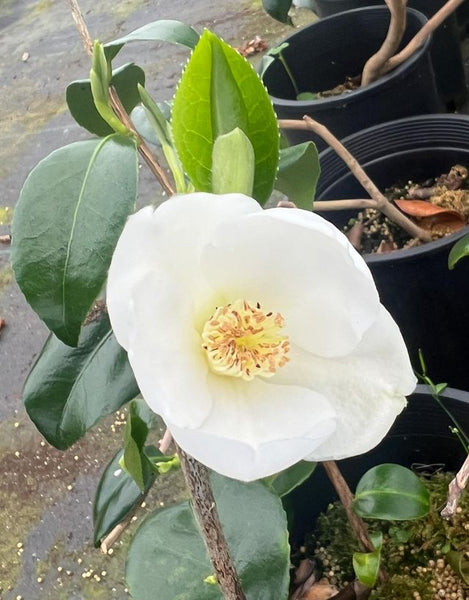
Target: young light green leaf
(459,563)
(100,79)
(69,389)
(391,492)
(80,99)
(278,9)
(366,564)
(70,213)
(458,251)
(168,558)
(163,132)
(116,496)
(287,480)
(219,91)
(298,174)
(164,30)
(134,460)
(233,164)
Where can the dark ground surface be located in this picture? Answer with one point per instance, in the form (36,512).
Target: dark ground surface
(45,496)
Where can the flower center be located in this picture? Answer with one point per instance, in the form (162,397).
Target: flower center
(242,340)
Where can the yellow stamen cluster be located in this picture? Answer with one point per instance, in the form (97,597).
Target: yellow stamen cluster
(242,340)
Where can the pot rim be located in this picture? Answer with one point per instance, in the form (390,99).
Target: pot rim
(405,254)
(383,81)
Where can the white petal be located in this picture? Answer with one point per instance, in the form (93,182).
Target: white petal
(295,263)
(256,428)
(366,388)
(166,241)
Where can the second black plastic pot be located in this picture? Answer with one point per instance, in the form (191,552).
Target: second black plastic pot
(429,302)
(445,48)
(420,438)
(323,54)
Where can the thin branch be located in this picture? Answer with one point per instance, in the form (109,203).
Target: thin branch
(349,204)
(165,442)
(346,497)
(205,510)
(144,150)
(117,106)
(397,25)
(419,39)
(382,203)
(81,27)
(456,488)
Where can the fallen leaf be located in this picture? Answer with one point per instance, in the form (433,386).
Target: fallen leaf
(320,591)
(420,208)
(252,47)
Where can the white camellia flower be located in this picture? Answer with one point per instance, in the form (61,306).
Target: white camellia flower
(257,335)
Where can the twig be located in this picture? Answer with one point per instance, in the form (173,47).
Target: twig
(346,497)
(353,203)
(205,510)
(397,25)
(382,203)
(146,153)
(117,106)
(165,441)
(114,534)
(419,39)
(456,487)
(353,591)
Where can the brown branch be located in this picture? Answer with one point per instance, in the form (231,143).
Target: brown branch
(353,591)
(419,39)
(456,488)
(81,27)
(144,150)
(205,510)
(346,497)
(382,203)
(165,442)
(117,106)
(332,205)
(397,25)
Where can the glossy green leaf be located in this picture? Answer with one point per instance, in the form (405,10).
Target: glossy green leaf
(459,564)
(134,460)
(69,389)
(278,9)
(80,102)
(71,211)
(233,164)
(298,174)
(168,559)
(391,492)
(458,251)
(116,496)
(165,30)
(218,92)
(366,564)
(287,480)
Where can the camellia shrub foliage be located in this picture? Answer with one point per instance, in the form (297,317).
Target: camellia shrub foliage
(256,334)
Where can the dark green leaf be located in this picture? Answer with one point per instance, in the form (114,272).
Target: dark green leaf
(391,492)
(459,564)
(278,9)
(80,99)
(135,462)
(116,496)
(68,219)
(168,558)
(69,389)
(287,480)
(298,174)
(366,564)
(165,30)
(458,251)
(218,92)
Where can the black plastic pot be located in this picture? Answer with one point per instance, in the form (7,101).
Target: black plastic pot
(420,437)
(429,302)
(323,54)
(445,48)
